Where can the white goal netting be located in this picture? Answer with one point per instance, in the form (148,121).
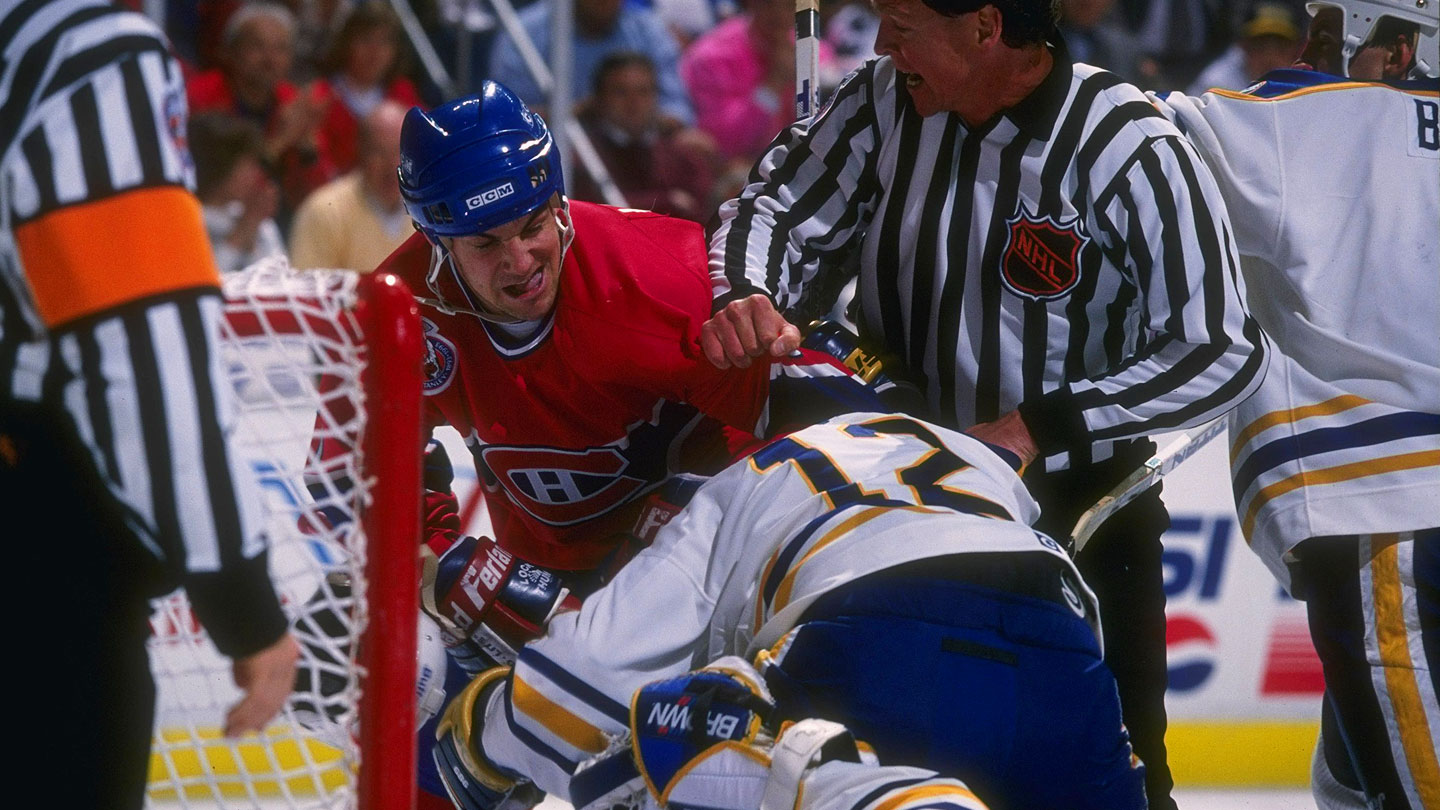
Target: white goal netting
(294,349)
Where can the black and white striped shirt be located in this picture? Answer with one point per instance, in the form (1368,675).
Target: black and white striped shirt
(1071,257)
(109,300)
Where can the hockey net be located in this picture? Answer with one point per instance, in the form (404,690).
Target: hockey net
(325,367)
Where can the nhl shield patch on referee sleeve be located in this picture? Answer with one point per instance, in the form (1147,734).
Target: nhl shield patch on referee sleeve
(1041,260)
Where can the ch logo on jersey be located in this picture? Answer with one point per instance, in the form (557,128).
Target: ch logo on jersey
(1041,256)
(439,359)
(564,487)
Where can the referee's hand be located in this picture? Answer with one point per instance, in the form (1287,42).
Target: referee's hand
(266,677)
(746,328)
(1011,433)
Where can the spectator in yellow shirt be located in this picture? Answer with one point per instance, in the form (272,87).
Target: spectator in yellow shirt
(356,220)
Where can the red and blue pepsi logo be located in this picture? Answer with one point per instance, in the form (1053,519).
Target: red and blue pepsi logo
(1196,551)
(1190,651)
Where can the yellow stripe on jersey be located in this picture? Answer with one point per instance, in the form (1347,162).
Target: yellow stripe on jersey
(73,272)
(782,593)
(1324,88)
(1329,407)
(556,718)
(1393,639)
(926,792)
(1335,475)
(746,750)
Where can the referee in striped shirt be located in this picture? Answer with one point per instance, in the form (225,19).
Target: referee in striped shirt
(117,481)
(1042,253)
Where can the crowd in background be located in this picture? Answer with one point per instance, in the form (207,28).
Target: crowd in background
(296,106)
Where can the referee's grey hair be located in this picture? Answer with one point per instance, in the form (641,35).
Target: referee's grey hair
(1023,22)
(250,12)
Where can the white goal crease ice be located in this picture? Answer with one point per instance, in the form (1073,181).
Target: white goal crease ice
(325,368)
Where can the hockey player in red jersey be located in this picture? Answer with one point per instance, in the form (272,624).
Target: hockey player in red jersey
(562,336)
(562,343)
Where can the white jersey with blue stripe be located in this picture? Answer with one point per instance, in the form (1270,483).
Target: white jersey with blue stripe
(736,569)
(1334,189)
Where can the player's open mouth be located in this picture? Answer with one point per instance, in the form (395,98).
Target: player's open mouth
(913,80)
(527,287)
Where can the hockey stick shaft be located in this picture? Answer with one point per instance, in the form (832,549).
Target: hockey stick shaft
(807,58)
(1137,483)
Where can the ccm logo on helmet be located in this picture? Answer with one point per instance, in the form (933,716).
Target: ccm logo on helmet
(489,196)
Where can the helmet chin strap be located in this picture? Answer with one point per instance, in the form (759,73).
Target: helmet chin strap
(567,227)
(1350,46)
(440,257)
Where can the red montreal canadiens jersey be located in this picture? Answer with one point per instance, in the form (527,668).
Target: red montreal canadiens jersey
(570,428)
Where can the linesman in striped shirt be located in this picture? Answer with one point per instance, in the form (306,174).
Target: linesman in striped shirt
(1040,251)
(117,482)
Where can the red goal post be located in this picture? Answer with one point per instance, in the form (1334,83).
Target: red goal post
(325,367)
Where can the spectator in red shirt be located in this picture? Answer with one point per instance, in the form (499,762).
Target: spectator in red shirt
(257,53)
(656,161)
(364,67)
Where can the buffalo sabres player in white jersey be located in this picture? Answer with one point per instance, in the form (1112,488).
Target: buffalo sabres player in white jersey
(881,573)
(1331,173)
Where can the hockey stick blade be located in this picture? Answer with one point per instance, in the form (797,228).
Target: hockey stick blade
(1155,468)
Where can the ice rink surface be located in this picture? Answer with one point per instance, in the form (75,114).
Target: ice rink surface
(1274,799)
(1244,800)
(1289,799)
(1286,799)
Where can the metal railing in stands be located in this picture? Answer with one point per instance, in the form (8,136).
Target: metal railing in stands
(553,79)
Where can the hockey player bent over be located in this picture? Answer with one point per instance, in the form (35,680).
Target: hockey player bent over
(1337,456)
(882,574)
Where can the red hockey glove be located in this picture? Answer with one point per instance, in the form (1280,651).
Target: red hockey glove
(488,602)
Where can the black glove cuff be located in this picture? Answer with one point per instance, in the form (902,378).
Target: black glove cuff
(237,606)
(1055,423)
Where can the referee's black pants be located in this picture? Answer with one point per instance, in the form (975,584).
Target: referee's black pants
(1121,563)
(81,616)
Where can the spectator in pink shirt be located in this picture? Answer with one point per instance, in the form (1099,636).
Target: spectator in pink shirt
(741,76)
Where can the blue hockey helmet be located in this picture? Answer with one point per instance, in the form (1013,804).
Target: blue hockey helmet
(476,163)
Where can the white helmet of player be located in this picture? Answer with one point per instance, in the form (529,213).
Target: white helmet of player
(1360,17)
(430,663)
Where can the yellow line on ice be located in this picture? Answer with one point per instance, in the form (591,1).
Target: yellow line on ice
(283,764)
(1242,753)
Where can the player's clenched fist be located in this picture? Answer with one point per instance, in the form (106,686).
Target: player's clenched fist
(746,328)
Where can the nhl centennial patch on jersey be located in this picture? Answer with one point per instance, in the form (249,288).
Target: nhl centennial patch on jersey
(1041,260)
(174,108)
(439,359)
